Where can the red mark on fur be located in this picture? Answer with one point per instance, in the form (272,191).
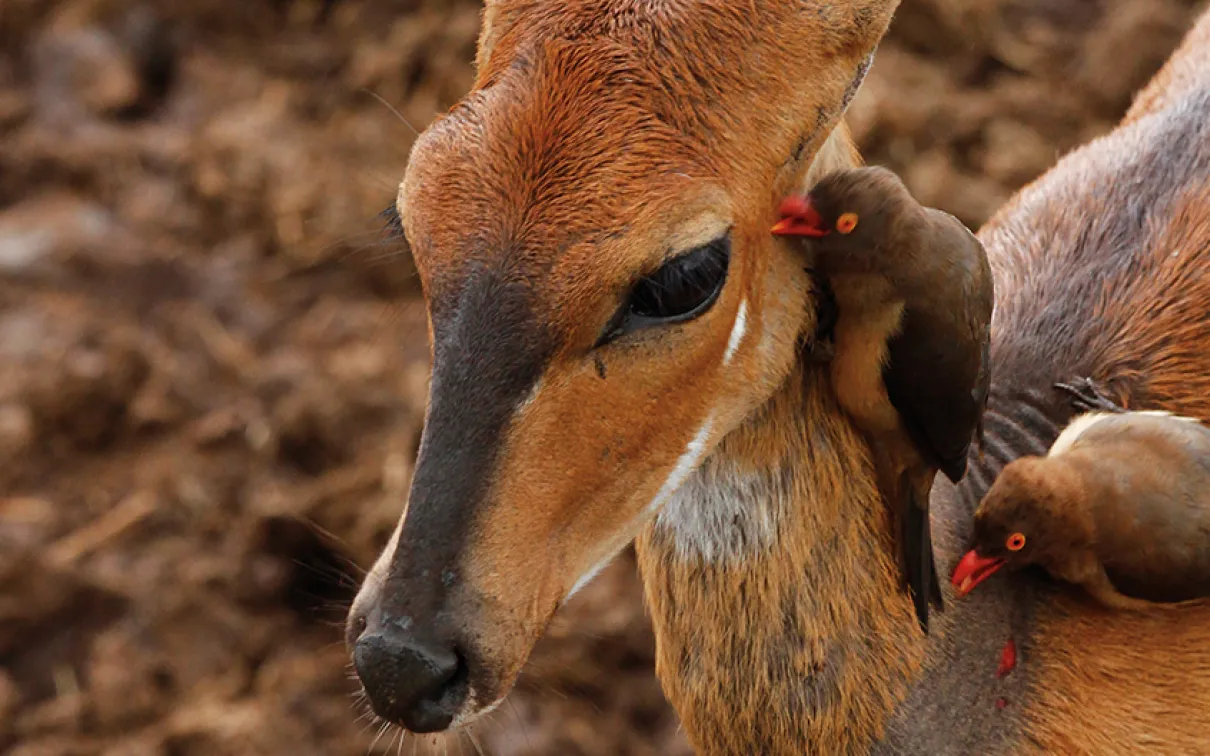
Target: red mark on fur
(1008,658)
(1001,703)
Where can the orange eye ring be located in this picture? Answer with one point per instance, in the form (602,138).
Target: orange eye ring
(1015,542)
(846,223)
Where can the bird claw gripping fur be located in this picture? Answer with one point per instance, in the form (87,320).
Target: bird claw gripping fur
(1086,397)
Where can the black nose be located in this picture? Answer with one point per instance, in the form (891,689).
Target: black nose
(421,685)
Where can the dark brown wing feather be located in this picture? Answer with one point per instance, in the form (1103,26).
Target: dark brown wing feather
(938,383)
(938,370)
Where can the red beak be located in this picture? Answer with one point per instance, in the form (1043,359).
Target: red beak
(799,218)
(972,570)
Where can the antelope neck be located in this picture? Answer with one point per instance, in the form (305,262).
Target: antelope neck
(773,591)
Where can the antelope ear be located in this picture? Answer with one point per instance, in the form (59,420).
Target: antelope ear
(837,153)
(496,21)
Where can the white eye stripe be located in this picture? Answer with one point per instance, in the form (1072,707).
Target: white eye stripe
(685,466)
(737,332)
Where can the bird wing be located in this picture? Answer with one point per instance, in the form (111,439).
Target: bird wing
(937,377)
(938,369)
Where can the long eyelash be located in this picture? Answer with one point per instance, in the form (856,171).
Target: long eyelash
(392,224)
(670,277)
(698,269)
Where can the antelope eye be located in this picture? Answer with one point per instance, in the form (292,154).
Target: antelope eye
(682,288)
(1015,542)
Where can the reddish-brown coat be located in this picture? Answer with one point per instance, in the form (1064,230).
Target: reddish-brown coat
(603,134)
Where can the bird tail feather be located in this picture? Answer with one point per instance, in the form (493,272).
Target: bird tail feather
(916,550)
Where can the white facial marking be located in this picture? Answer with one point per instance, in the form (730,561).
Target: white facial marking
(471,712)
(587,577)
(737,332)
(685,466)
(529,398)
(378,573)
(722,513)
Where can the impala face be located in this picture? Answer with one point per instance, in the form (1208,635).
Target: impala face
(591,227)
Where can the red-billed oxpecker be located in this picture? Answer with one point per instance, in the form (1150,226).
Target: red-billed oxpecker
(1119,506)
(914,294)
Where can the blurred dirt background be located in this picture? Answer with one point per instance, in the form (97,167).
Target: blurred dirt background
(213,367)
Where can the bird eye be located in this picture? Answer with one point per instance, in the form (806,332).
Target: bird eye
(1015,542)
(682,289)
(846,223)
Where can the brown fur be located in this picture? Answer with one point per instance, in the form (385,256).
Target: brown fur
(814,641)
(1101,270)
(603,134)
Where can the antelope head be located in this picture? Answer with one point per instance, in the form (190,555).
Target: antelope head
(605,302)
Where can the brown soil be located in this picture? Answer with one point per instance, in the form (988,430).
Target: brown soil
(214,363)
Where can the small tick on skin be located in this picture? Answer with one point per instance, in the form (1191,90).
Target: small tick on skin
(600,363)
(1001,703)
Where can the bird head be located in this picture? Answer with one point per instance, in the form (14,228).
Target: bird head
(853,204)
(1030,515)
(992,551)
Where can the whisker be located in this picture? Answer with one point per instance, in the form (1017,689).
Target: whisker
(365,728)
(540,683)
(381,730)
(475,742)
(375,259)
(391,108)
(520,722)
(324,257)
(329,571)
(391,314)
(362,571)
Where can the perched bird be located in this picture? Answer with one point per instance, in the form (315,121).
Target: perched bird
(1119,506)
(914,295)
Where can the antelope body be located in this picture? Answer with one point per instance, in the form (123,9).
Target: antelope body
(606,138)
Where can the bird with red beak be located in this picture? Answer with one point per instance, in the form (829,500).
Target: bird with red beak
(1120,506)
(914,295)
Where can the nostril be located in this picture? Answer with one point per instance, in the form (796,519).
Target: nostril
(419,685)
(457,686)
